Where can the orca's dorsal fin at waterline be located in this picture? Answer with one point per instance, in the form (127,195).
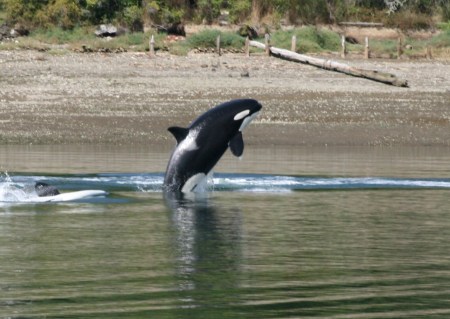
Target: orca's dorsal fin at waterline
(179,133)
(237,145)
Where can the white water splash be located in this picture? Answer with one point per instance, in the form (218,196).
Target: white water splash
(20,188)
(269,183)
(13,192)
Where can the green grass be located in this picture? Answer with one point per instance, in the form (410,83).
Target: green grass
(24,43)
(309,39)
(386,46)
(132,42)
(77,38)
(444,25)
(2,15)
(441,40)
(60,36)
(208,39)
(180,48)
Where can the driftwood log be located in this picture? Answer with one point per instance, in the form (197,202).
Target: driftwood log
(386,78)
(362,24)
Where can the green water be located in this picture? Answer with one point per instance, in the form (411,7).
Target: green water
(360,253)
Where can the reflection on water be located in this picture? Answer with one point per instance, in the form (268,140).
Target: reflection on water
(208,252)
(316,253)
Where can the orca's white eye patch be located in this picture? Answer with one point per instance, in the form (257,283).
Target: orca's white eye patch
(241,115)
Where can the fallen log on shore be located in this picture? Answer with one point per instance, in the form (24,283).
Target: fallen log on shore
(362,24)
(374,75)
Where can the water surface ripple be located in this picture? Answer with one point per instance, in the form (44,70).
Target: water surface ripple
(272,245)
(13,189)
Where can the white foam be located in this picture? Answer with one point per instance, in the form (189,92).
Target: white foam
(271,183)
(11,193)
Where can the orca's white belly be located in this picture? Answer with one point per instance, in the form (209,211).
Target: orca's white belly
(70,196)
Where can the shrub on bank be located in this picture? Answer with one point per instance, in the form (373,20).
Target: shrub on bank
(408,20)
(441,40)
(77,38)
(60,36)
(309,39)
(137,41)
(208,39)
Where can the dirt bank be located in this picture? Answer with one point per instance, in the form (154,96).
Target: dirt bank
(130,98)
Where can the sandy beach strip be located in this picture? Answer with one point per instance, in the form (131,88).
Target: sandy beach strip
(130,98)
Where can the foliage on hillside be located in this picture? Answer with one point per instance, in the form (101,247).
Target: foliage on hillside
(68,14)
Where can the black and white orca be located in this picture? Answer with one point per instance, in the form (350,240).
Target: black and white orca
(202,144)
(49,193)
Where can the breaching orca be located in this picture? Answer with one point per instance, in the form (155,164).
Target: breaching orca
(43,189)
(202,144)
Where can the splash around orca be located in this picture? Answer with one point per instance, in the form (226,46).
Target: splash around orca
(201,145)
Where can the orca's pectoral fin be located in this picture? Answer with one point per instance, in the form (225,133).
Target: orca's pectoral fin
(179,133)
(237,145)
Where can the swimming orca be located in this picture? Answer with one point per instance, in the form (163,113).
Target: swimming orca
(44,190)
(202,144)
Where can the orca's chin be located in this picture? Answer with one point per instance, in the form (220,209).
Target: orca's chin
(195,184)
(247,121)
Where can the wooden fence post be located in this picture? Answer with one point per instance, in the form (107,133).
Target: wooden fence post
(344,49)
(152,46)
(399,48)
(428,53)
(267,43)
(294,43)
(247,47)
(218,45)
(366,49)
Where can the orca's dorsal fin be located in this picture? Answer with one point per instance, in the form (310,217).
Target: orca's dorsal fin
(179,133)
(237,145)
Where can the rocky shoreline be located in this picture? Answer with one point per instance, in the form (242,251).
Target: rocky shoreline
(129,98)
